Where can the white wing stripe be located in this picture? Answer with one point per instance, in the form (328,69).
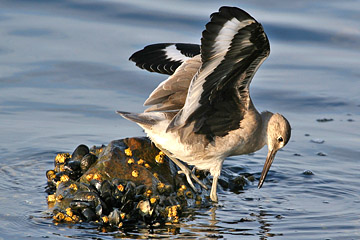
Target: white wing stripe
(174,55)
(227,33)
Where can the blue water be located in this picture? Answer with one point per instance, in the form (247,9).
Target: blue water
(64,70)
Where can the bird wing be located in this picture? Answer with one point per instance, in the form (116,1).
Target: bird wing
(233,46)
(171,94)
(164,58)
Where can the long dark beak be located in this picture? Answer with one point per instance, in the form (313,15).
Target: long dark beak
(269,160)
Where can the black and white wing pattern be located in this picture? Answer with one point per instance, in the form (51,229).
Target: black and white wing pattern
(164,58)
(233,46)
(171,94)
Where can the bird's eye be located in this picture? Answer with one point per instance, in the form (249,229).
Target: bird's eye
(280,139)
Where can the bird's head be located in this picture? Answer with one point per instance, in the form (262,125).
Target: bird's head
(278,135)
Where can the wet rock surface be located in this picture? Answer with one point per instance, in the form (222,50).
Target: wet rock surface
(127,183)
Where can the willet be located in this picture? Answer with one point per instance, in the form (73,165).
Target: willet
(203,112)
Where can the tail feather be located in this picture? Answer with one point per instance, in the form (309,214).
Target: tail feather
(144,119)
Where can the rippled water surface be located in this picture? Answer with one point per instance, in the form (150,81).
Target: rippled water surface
(64,71)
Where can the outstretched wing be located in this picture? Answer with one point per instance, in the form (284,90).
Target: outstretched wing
(171,94)
(164,57)
(233,46)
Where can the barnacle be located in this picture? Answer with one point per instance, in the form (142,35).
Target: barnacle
(62,157)
(59,217)
(89,177)
(50,174)
(128,152)
(189,194)
(148,193)
(97,176)
(51,198)
(120,187)
(69,212)
(105,219)
(59,197)
(135,173)
(73,186)
(160,157)
(64,178)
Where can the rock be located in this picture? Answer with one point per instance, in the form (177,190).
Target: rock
(127,182)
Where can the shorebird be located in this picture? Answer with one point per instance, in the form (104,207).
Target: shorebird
(203,112)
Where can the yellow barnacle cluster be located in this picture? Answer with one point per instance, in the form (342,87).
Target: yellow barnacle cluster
(97,176)
(69,212)
(51,198)
(50,175)
(64,178)
(59,198)
(62,157)
(135,173)
(105,219)
(156,176)
(131,161)
(198,200)
(189,194)
(121,187)
(68,216)
(173,213)
(160,185)
(59,217)
(89,177)
(141,162)
(181,191)
(147,166)
(160,157)
(128,152)
(92,176)
(148,193)
(73,186)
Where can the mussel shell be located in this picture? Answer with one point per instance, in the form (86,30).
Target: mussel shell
(129,195)
(96,184)
(88,214)
(106,189)
(117,194)
(90,197)
(79,205)
(60,174)
(99,210)
(144,207)
(80,152)
(171,201)
(115,217)
(87,161)
(140,189)
(130,186)
(127,207)
(73,165)
(118,181)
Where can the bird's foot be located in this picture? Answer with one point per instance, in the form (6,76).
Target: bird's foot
(185,170)
(190,175)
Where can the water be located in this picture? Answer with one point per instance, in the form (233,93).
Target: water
(64,72)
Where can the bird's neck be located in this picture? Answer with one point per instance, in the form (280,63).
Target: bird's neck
(265,117)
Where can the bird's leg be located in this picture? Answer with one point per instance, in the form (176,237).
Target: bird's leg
(213,195)
(189,174)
